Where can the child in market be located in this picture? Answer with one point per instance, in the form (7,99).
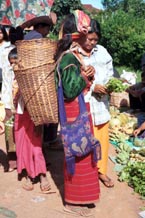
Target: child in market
(28,140)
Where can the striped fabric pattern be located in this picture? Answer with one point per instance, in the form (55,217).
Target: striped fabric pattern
(83,186)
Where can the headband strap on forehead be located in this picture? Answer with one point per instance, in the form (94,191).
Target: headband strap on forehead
(75,35)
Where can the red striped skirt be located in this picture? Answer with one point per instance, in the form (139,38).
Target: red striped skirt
(83,186)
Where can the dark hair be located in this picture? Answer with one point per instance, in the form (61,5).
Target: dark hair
(95,27)
(13,54)
(50,25)
(69,26)
(4,32)
(16,34)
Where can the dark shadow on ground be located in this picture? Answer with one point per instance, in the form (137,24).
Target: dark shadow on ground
(4,160)
(55,167)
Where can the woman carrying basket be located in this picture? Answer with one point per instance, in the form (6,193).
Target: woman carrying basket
(28,137)
(81,188)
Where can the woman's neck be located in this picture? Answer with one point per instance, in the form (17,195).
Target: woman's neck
(1,42)
(76,46)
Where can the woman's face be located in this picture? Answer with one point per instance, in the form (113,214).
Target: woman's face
(1,36)
(89,42)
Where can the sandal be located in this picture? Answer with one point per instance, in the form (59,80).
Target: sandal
(77,211)
(45,188)
(28,186)
(45,185)
(106,180)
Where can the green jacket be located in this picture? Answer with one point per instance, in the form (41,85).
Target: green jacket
(72,81)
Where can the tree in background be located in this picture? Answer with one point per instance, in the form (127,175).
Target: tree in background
(137,7)
(123,28)
(123,31)
(63,8)
(124,36)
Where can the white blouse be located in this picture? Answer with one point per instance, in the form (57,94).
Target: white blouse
(101,60)
(7,75)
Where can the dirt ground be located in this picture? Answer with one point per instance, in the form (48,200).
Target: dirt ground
(116,202)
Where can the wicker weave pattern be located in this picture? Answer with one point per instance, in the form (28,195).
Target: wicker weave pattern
(119,99)
(36,52)
(35,76)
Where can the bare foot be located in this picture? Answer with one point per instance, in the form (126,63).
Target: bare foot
(106,180)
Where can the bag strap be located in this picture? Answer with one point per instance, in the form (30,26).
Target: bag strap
(62,111)
(81,101)
(78,56)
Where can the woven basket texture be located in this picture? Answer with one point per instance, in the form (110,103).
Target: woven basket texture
(36,52)
(35,76)
(119,99)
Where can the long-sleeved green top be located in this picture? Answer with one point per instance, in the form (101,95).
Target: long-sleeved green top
(72,81)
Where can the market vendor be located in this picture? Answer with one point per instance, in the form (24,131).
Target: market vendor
(137,91)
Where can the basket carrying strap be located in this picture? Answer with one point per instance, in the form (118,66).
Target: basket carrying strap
(76,54)
(81,101)
(62,114)
(79,58)
(41,83)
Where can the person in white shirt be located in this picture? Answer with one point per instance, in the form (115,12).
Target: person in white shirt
(98,57)
(7,72)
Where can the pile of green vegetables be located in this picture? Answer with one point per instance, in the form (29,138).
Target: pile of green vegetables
(134,174)
(133,167)
(116,85)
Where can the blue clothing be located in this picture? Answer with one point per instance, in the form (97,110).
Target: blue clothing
(33,34)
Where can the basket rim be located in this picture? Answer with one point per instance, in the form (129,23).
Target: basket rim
(35,40)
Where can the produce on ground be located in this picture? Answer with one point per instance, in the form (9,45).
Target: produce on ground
(132,161)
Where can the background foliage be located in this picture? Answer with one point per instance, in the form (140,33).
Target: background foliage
(63,8)
(123,31)
(123,34)
(123,28)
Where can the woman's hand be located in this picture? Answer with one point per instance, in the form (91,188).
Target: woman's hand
(136,132)
(88,71)
(100,89)
(8,114)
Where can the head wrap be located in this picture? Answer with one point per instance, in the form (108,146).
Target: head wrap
(82,23)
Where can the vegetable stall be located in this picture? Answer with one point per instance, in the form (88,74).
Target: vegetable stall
(130,151)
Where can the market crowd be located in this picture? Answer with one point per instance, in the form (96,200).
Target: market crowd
(83,68)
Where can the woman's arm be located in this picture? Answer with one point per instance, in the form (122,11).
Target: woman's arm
(138,130)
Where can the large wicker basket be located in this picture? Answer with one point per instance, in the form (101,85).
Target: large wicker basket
(119,99)
(35,76)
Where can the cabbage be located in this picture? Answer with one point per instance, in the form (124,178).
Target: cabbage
(114,122)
